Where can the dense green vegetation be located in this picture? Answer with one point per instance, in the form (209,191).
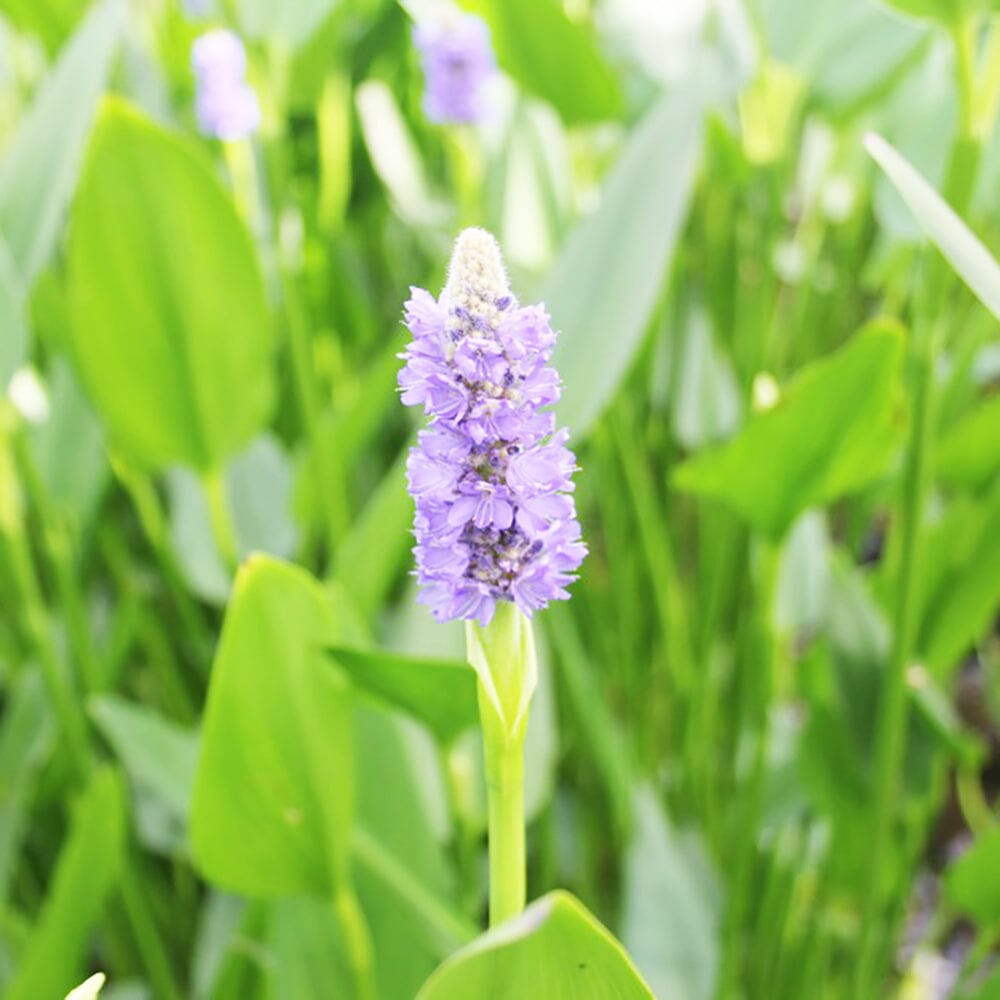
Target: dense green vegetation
(238,760)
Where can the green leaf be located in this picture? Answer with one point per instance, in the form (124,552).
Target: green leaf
(307,950)
(556,948)
(552,57)
(671,916)
(170,328)
(804,575)
(832,432)
(962,583)
(851,52)
(39,170)
(396,158)
(947,12)
(291,23)
(404,878)
(961,248)
(274,788)
(86,871)
(69,447)
(440,693)
(52,21)
(155,752)
(602,300)
(707,404)
(14,342)
(372,555)
(259,488)
(968,455)
(971,883)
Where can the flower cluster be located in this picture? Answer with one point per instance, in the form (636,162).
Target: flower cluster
(491,476)
(226,105)
(458,64)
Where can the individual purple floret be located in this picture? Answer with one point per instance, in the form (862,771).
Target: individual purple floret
(491,476)
(226,106)
(458,65)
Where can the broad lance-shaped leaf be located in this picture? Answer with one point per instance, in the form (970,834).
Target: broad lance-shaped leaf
(556,948)
(552,57)
(603,287)
(832,432)
(274,790)
(38,172)
(439,693)
(960,247)
(170,329)
(88,866)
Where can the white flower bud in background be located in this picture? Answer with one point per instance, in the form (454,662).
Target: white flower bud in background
(789,260)
(837,198)
(765,391)
(28,394)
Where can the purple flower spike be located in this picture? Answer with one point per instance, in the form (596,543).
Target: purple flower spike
(226,105)
(458,64)
(491,477)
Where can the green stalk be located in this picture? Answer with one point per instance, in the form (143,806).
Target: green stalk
(503,655)
(147,936)
(329,479)
(357,939)
(65,701)
(61,556)
(762,671)
(68,707)
(893,718)
(505,792)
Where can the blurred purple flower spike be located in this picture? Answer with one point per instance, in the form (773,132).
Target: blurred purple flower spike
(458,63)
(226,105)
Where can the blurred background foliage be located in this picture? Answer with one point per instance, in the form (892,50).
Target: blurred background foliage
(764,747)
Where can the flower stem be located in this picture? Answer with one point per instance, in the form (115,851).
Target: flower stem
(503,655)
(505,792)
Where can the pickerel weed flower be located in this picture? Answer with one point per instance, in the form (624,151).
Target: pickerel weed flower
(458,65)
(225,104)
(491,475)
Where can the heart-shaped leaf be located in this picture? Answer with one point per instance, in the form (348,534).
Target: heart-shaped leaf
(556,948)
